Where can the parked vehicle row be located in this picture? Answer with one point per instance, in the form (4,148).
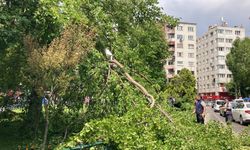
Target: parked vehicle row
(236,110)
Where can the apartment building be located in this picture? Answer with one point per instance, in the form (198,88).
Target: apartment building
(212,48)
(182,46)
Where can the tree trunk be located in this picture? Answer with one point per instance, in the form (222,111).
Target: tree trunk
(46,127)
(34,113)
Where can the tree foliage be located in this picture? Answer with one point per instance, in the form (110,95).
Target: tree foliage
(238,63)
(54,67)
(60,46)
(143,128)
(182,87)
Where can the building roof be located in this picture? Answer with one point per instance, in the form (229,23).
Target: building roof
(188,23)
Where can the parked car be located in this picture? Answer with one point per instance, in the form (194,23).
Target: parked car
(241,112)
(217,105)
(238,100)
(209,103)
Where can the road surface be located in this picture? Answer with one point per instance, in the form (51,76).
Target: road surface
(211,115)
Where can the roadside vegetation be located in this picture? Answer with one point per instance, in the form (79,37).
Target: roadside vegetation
(56,50)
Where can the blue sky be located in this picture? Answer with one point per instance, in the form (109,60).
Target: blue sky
(209,12)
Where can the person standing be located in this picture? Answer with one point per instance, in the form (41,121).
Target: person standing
(200,109)
(228,116)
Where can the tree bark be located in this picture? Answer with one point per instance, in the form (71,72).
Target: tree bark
(46,127)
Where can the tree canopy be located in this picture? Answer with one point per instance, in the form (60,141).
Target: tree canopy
(238,63)
(56,49)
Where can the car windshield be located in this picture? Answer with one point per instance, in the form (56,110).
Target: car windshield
(248,105)
(220,102)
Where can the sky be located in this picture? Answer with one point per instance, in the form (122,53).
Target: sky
(209,12)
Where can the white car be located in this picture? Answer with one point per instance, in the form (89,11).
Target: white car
(241,112)
(238,100)
(218,104)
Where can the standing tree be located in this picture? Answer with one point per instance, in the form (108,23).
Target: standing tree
(53,68)
(182,87)
(238,63)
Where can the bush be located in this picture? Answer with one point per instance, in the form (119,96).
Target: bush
(145,128)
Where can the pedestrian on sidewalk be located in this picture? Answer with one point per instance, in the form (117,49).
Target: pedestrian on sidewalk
(200,109)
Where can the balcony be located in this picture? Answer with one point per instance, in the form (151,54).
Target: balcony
(222,53)
(223,80)
(222,62)
(170,31)
(171,43)
(169,67)
(171,49)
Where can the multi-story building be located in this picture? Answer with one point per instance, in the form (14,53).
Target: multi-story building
(212,48)
(182,46)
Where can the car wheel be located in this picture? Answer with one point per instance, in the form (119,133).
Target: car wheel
(241,120)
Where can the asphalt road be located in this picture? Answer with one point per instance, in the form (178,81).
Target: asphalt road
(211,115)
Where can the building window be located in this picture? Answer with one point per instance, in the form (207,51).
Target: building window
(228,48)
(180,37)
(229,75)
(212,42)
(190,55)
(228,31)
(190,29)
(190,38)
(180,28)
(191,64)
(211,33)
(170,36)
(180,54)
(179,62)
(220,48)
(221,66)
(170,63)
(237,32)
(190,46)
(229,40)
(221,75)
(220,31)
(219,40)
(221,57)
(179,45)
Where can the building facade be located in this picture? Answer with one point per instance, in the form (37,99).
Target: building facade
(212,48)
(182,46)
